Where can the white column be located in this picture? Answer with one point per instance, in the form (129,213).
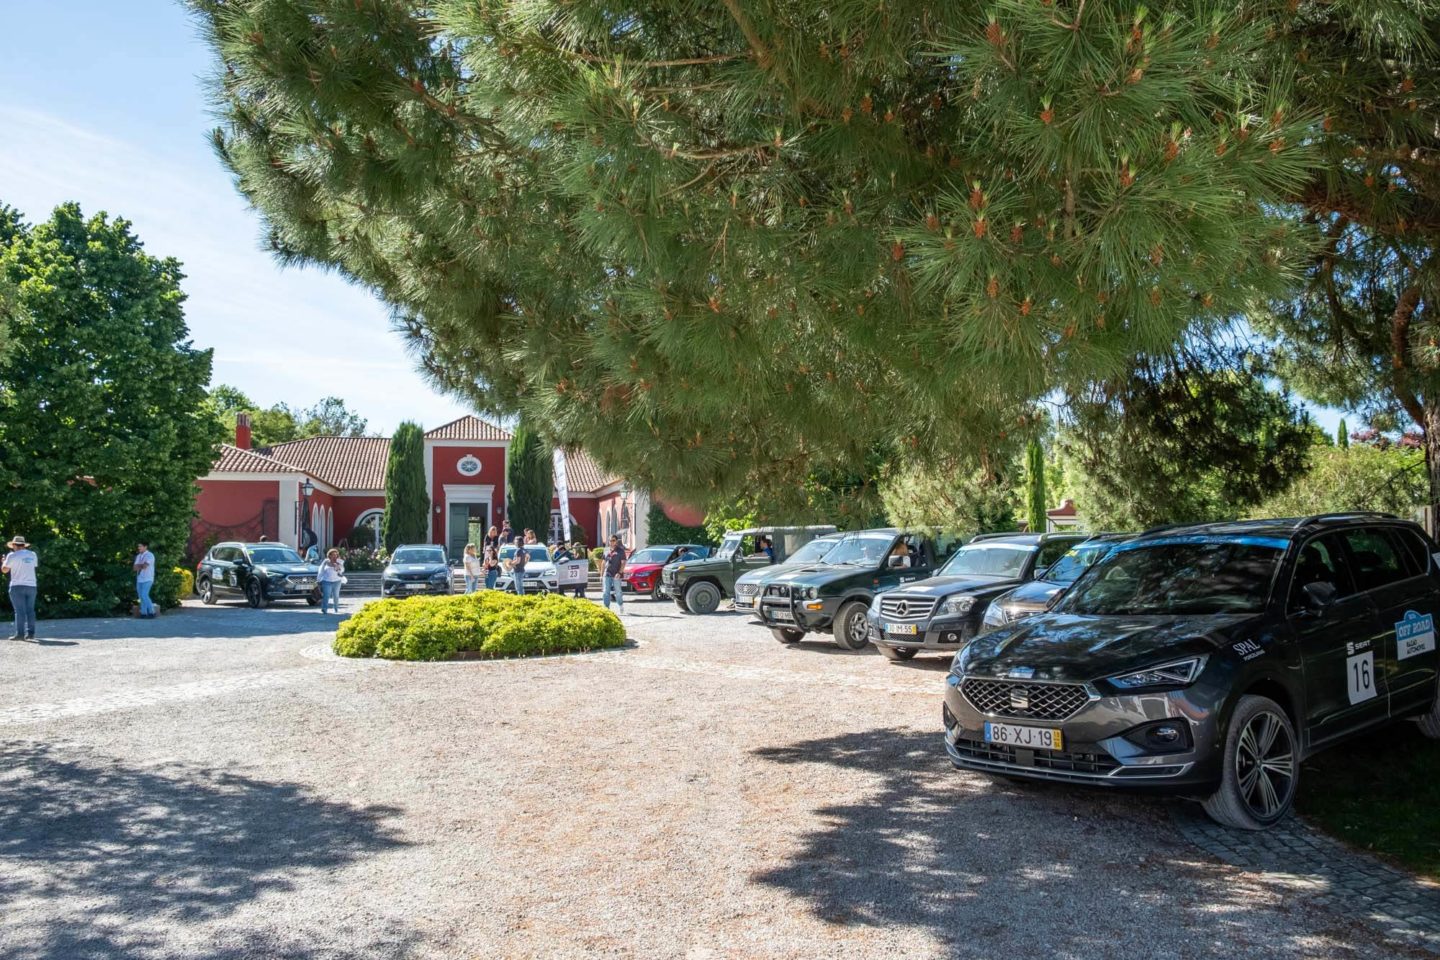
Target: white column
(289,496)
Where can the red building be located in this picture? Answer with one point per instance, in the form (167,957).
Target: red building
(258,491)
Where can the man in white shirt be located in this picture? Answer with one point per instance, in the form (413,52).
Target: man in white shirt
(145,579)
(19,565)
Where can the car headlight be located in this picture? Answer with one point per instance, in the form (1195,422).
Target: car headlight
(1177,673)
(439,577)
(958,605)
(995,615)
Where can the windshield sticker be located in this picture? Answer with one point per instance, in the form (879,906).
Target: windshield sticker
(1248,649)
(1414,635)
(1355,646)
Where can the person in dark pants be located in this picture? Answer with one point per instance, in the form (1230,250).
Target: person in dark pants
(19,565)
(614,564)
(517,566)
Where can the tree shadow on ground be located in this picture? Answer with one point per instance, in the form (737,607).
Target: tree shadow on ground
(992,868)
(98,859)
(220,622)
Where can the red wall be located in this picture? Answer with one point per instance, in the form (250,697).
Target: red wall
(583,510)
(234,510)
(442,472)
(348,510)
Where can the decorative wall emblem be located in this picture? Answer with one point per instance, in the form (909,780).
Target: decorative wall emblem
(468,465)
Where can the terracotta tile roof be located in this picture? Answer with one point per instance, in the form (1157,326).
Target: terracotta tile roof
(468,427)
(350,463)
(232,459)
(584,474)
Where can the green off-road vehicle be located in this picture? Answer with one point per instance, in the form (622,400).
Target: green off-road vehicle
(698,586)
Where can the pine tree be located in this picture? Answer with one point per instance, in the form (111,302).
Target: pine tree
(529,482)
(1342,435)
(734,246)
(407,504)
(103,426)
(1035,486)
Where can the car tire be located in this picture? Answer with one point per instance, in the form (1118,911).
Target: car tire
(702,598)
(1255,789)
(852,628)
(898,653)
(680,603)
(255,595)
(206,589)
(655,593)
(787,634)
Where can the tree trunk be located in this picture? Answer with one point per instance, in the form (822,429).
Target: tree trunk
(1430,427)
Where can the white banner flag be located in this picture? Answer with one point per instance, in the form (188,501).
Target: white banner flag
(562,490)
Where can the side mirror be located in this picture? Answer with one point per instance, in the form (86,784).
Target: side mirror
(1319,595)
(893,562)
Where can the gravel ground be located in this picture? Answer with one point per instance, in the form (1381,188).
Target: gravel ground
(215,784)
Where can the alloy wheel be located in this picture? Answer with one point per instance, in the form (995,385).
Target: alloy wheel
(1265,766)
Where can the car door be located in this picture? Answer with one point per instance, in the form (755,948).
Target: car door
(1397,575)
(1340,646)
(920,565)
(222,573)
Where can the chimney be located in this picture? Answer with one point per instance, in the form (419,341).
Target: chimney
(242,431)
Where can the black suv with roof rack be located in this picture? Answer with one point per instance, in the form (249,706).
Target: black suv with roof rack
(1209,661)
(257,573)
(942,613)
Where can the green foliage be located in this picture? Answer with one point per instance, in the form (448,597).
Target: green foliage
(102,422)
(184,582)
(1358,477)
(407,503)
(960,497)
(739,514)
(1035,505)
(1193,439)
(664,530)
(597,558)
(742,246)
(1342,435)
(529,481)
(488,624)
(361,559)
(282,423)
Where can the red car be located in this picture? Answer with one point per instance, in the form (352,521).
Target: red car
(642,568)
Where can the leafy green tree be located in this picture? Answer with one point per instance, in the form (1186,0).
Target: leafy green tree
(664,530)
(281,422)
(1342,435)
(332,418)
(1035,487)
(529,481)
(407,503)
(103,427)
(735,246)
(1358,477)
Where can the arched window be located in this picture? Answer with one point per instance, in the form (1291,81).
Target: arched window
(369,521)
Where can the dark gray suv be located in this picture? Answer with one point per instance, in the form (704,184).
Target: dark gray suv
(1209,661)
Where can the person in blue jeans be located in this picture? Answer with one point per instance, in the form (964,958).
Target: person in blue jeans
(491,565)
(144,567)
(19,565)
(517,566)
(330,576)
(614,563)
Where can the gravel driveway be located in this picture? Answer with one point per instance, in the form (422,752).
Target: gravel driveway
(215,784)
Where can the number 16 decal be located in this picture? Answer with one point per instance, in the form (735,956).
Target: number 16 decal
(1360,675)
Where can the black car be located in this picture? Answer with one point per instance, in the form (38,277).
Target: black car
(942,613)
(257,572)
(1039,594)
(1209,661)
(416,568)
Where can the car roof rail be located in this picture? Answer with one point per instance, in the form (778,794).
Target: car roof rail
(995,535)
(1344,515)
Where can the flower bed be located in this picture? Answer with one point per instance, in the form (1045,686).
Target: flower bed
(488,625)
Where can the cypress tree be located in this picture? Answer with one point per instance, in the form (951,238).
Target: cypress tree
(1342,435)
(407,504)
(530,482)
(1035,486)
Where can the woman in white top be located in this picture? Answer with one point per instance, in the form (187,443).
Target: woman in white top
(332,574)
(474,569)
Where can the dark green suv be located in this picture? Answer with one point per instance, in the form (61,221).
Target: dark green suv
(835,598)
(698,586)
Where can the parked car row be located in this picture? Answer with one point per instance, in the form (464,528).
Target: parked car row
(1207,660)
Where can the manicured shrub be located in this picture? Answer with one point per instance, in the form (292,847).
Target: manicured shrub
(186,585)
(597,558)
(488,624)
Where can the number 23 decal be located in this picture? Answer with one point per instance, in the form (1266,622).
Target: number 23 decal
(1360,676)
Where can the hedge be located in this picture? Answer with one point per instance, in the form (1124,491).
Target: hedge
(187,582)
(488,624)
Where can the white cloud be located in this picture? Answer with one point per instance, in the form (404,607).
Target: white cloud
(281,335)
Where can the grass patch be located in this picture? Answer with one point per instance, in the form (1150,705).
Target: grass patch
(486,625)
(1379,795)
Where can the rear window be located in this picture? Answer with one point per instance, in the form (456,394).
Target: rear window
(1374,559)
(988,559)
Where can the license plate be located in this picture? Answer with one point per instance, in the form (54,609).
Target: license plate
(780,613)
(414,586)
(1031,738)
(908,629)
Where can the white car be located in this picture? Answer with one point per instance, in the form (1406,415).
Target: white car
(540,573)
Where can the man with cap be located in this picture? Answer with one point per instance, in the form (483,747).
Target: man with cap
(19,565)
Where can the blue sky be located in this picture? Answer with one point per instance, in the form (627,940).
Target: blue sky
(101,102)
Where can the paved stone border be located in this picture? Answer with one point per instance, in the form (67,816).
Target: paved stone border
(325,652)
(1300,858)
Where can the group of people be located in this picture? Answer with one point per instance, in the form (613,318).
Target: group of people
(20,566)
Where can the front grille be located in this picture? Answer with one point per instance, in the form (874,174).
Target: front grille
(747,589)
(1042,701)
(778,590)
(907,609)
(1092,764)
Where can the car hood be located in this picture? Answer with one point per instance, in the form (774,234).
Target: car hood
(949,586)
(1034,594)
(1080,648)
(539,566)
(289,569)
(641,569)
(417,568)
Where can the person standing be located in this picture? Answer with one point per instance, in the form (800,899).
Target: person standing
(331,576)
(517,566)
(492,540)
(530,540)
(19,565)
(474,569)
(506,534)
(144,567)
(491,566)
(614,564)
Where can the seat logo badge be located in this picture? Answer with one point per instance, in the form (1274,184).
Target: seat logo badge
(1021,673)
(902,608)
(1020,699)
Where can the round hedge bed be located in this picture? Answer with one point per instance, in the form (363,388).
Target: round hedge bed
(484,625)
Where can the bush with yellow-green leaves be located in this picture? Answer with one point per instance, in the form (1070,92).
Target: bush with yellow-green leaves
(489,624)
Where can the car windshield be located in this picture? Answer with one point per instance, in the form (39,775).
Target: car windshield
(861,550)
(1069,567)
(274,555)
(815,551)
(728,546)
(419,555)
(1183,575)
(651,555)
(988,559)
(534,551)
